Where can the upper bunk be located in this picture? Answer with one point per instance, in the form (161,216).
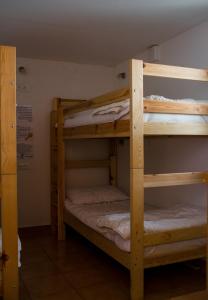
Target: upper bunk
(113,114)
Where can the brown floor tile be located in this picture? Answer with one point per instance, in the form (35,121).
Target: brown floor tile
(86,277)
(78,261)
(108,291)
(23,292)
(56,249)
(68,294)
(37,256)
(92,275)
(47,285)
(34,269)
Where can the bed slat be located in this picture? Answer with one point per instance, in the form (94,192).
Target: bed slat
(158,70)
(173,179)
(171,107)
(176,235)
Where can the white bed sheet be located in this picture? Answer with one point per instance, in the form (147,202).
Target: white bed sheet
(19,248)
(90,213)
(120,111)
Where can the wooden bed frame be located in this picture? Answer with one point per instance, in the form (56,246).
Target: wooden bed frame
(136,130)
(8,171)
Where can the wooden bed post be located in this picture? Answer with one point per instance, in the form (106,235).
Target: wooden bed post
(8,172)
(61,174)
(137,180)
(113,162)
(53,160)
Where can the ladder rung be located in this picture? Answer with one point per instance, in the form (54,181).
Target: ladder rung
(173,179)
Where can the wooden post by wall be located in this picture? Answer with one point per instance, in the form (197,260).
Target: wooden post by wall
(61,174)
(54,168)
(8,171)
(137,179)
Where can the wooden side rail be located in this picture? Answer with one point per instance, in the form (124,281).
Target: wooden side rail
(150,106)
(108,98)
(171,107)
(173,179)
(175,235)
(159,70)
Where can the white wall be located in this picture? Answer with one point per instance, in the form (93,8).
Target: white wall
(45,80)
(174,154)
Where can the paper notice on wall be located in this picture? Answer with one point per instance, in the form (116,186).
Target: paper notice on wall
(24,135)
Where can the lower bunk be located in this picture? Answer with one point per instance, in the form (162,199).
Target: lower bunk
(170,235)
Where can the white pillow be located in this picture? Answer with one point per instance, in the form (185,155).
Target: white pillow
(99,194)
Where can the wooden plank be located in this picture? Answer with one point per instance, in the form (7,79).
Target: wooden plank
(9,236)
(121,129)
(108,98)
(176,235)
(171,107)
(137,180)
(8,176)
(69,103)
(173,179)
(176,72)
(8,109)
(176,129)
(65,103)
(202,295)
(182,255)
(79,164)
(115,129)
(61,176)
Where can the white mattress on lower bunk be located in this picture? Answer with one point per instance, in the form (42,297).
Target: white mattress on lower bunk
(89,214)
(120,111)
(19,248)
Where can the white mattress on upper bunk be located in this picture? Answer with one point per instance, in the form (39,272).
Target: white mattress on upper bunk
(19,248)
(157,219)
(120,111)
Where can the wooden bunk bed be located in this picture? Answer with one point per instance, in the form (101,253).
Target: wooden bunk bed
(135,129)
(8,180)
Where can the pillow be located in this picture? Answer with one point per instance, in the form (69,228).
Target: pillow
(99,194)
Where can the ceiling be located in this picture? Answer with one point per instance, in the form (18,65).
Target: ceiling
(94,31)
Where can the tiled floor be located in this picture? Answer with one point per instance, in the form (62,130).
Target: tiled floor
(76,270)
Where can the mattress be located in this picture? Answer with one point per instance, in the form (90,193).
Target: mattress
(120,111)
(177,216)
(19,248)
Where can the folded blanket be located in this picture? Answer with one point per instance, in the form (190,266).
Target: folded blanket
(118,108)
(156,220)
(120,223)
